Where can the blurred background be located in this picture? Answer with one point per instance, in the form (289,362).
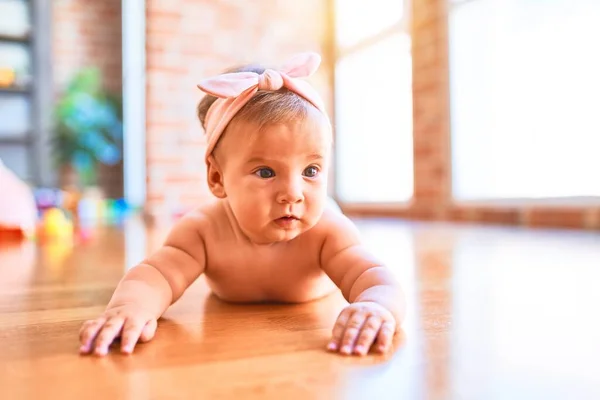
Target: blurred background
(474,110)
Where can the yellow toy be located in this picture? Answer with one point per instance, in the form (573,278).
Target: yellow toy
(55,225)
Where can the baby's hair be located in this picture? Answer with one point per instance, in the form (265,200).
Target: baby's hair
(266,107)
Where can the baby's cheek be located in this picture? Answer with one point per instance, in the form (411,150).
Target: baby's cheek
(315,206)
(252,208)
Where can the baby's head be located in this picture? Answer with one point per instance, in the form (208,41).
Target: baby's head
(269,153)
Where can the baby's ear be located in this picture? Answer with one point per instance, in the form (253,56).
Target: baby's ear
(214,176)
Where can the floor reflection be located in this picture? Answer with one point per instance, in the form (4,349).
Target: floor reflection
(434,275)
(525,314)
(493,313)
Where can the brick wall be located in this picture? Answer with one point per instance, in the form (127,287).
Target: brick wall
(191,40)
(88,33)
(431,139)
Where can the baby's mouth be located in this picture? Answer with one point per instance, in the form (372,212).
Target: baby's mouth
(287,220)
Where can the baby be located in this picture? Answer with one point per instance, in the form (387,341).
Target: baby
(271,234)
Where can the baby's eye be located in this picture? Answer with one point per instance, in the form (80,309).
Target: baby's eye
(311,171)
(265,173)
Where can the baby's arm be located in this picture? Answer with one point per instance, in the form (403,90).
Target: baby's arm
(148,289)
(377,301)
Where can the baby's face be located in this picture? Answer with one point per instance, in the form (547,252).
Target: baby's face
(276,178)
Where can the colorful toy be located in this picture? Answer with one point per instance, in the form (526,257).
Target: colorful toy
(114,211)
(88,209)
(57,214)
(48,197)
(55,225)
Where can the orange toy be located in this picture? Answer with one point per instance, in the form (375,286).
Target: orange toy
(18,212)
(7,77)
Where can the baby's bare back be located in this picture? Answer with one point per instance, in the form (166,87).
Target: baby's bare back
(240,271)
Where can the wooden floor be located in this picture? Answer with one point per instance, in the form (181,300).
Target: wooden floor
(494,313)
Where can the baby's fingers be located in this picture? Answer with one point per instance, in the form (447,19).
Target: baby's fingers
(109,332)
(353,327)
(149,330)
(132,330)
(367,335)
(385,336)
(88,332)
(339,328)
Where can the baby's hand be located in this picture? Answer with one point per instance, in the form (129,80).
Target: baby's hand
(359,326)
(130,322)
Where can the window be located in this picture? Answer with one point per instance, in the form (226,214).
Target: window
(373,102)
(525,98)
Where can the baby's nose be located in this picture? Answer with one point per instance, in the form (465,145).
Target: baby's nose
(291,193)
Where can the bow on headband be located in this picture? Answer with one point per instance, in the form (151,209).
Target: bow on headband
(234,90)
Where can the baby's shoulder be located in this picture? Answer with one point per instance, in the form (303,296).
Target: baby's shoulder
(335,232)
(335,225)
(202,220)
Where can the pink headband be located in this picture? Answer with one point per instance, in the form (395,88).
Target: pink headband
(236,89)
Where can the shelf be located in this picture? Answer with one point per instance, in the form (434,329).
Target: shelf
(15,89)
(15,39)
(16,140)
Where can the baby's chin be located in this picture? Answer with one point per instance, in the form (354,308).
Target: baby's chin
(273,233)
